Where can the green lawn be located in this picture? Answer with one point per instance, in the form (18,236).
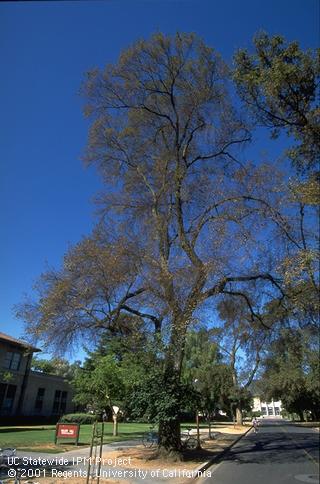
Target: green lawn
(41,437)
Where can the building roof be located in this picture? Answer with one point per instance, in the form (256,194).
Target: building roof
(17,342)
(41,374)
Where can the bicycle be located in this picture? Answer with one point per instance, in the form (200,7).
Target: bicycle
(17,479)
(150,438)
(189,442)
(5,454)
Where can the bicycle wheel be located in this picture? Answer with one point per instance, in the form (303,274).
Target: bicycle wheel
(149,439)
(191,443)
(8,452)
(5,454)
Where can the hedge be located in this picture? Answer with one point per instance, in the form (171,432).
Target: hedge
(81,418)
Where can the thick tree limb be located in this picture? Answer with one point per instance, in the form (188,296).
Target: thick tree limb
(154,319)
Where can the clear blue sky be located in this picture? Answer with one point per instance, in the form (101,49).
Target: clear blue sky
(45,47)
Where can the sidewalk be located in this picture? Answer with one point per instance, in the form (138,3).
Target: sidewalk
(79,451)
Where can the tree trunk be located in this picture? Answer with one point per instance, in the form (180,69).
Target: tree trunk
(169,428)
(169,436)
(301,416)
(239,417)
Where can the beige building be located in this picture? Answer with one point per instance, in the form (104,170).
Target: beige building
(267,409)
(24,392)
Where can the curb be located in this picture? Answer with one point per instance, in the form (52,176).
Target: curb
(219,456)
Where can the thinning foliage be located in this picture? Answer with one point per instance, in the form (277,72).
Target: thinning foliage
(185,217)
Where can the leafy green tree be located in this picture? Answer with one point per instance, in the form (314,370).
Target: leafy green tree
(243,342)
(291,372)
(204,369)
(55,366)
(99,384)
(160,399)
(121,361)
(279,83)
(312,382)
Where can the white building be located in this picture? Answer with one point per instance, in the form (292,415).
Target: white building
(267,409)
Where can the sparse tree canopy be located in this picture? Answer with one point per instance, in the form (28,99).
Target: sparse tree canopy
(185,217)
(180,209)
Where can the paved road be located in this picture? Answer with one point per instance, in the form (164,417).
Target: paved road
(279,453)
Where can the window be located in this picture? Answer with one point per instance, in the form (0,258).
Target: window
(39,400)
(63,403)
(56,402)
(277,410)
(12,360)
(60,402)
(7,394)
(3,390)
(270,410)
(263,410)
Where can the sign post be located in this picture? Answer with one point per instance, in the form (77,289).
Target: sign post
(67,431)
(115,411)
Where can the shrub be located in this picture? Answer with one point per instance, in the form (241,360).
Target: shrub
(80,418)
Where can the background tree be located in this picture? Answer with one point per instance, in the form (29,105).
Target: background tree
(242,342)
(205,370)
(291,372)
(55,366)
(280,83)
(99,385)
(122,360)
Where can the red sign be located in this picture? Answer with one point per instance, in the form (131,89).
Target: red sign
(67,431)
